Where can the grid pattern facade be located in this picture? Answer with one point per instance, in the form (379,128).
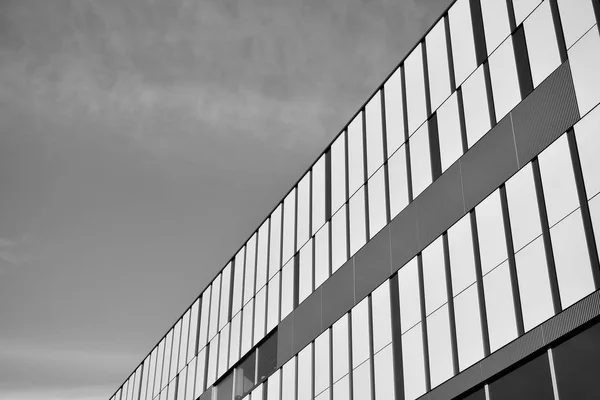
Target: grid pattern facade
(452,220)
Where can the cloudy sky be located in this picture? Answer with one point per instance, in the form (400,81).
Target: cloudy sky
(141,142)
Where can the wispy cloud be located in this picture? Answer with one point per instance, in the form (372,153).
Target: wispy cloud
(13,252)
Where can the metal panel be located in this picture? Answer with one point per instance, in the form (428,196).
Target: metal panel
(373,264)
(404,238)
(457,385)
(285,340)
(571,318)
(307,321)
(338,293)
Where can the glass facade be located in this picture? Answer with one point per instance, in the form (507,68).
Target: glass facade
(452,223)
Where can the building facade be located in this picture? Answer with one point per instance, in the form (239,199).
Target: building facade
(444,246)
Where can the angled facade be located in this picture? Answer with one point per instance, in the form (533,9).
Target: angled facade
(444,246)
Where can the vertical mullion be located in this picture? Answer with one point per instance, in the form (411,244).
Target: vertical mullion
(461,117)
(450,54)
(480,289)
(424,323)
(350,358)
(328,180)
(450,295)
(512,266)
(371,360)
(522,60)
(396,338)
(426,77)
(478,31)
(434,147)
(365,174)
(386,172)
(330,334)
(296,283)
(347,202)
(511,15)
(558,29)
(406,144)
(197,341)
(490,94)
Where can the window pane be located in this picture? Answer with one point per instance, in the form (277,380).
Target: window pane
(584,58)
(200,368)
(437,64)
(410,303)
(318,194)
(420,160)
(356,167)
(523,208)
(273,302)
(262,258)
(274,386)
(358,234)
(530,381)
(523,8)
(449,132)
(167,359)
(534,284)
(181,385)
(303,210)
(374,134)
(144,386)
(238,281)
(340,348)
(183,342)
(159,367)
(225,293)
(462,257)
(415,89)
(558,180)
(499,306)
(477,117)
(440,346)
(287,289)
(595,216)
(468,328)
(463,46)
(338,173)
(203,334)
(360,332)
(361,381)
(505,82)
(398,177)
(152,373)
(541,43)
(214,306)
(289,226)
(190,381)
(341,389)
(322,362)
(323,396)
(234,347)
(434,276)
(223,351)
(213,349)
(245,375)
(247,319)
(305,373)
(339,249)
(267,358)
(250,269)
(381,309)
(384,374)
(288,381)
(573,269)
(175,350)
(322,255)
(306,272)
(257,393)
(260,303)
(587,132)
(394,115)
(577,16)
(490,227)
(275,245)
(495,23)
(414,365)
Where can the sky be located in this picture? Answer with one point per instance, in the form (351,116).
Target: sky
(141,143)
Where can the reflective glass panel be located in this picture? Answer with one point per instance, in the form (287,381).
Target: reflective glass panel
(434,276)
(288,380)
(577,16)
(211,368)
(287,289)
(495,23)
(260,304)
(384,374)
(463,46)
(361,381)
(339,244)
(273,302)
(440,346)
(245,375)
(377,203)
(490,227)
(305,373)
(542,46)
(504,78)
(358,234)
(200,371)
(322,361)
(381,310)
(289,226)
(275,243)
(262,258)
(341,389)
(415,89)
(394,114)
(234,346)
(274,386)
(449,132)
(398,177)
(437,64)
(223,351)
(374,134)
(305,287)
(267,358)
(238,281)
(468,328)
(175,350)
(462,257)
(303,232)
(420,160)
(584,58)
(183,342)
(340,348)
(477,117)
(190,380)
(204,314)
(499,306)
(523,8)
(413,362)
(338,173)
(167,359)
(247,318)
(360,332)
(356,165)
(225,295)
(587,132)
(318,194)
(523,208)
(410,303)
(322,255)
(250,269)
(214,306)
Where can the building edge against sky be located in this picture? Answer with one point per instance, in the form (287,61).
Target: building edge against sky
(445,245)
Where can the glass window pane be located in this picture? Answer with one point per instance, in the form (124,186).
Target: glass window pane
(437,64)
(534,284)
(305,287)
(167,359)
(434,276)
(338,173)
(144,386)
(262,258)
(152,373)
(360,332)
(257,393)
(203,334)
(234,346)
(420,160)
(323,396)
(523,208)
(499,306)
(183,342)
(190,381)
(361,381)
(468,328)
(440,346)
(250,269)
(274,386)
(303,210)
(225,293)
(214,306)
(247,319)
(523,8)
(505,82)
(200,369)
(193,336)
(175,350)
(340,348)
(463,45)
(384,374)
(477,117)
(414,365)
(573,269)
(381,310)
(374,134)
(260,304)
(462,257)
(273,305)
(587,132)
(377,202)
(213,349)
(305,373)
(288,381)
(318,194)
(181,385)
(595,216)
(287,289)
(267,358)
(322,255)
(490,227)
(159,367)
(542,46)
(238,281)
(529,381)
(171,392)
(584,58)
(558,180)
(356,166)
(339,244)
(415,89)
(577,16)
(495,23)
(275,245)
(245,375)
(322,362)
(289,226)
(398,176)
(394,114)
(341,389)
(358,234)
(223,351)
(449,132)
(409,294)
